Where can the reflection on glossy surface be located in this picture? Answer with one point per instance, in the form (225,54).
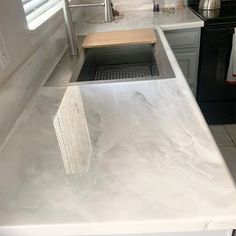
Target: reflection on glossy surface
(153,163)
(210,14)
(72,133)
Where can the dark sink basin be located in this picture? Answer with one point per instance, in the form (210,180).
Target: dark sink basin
(115,63)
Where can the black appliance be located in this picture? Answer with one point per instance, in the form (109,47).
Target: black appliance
(216,98)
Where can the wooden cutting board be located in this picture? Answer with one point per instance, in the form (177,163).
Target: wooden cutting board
(119,38)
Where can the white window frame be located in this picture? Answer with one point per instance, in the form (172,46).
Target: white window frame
(42,12)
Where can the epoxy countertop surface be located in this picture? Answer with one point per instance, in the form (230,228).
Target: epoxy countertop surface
(154,167)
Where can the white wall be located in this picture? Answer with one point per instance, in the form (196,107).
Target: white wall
(20,42)
(33,56)
(14,31)
(124,5)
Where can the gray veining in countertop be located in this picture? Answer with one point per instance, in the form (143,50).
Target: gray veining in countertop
(154,167)
(180,19)
(154,164)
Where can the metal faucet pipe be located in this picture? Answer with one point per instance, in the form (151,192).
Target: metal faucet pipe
(71,36)
(108,11)
(87,5)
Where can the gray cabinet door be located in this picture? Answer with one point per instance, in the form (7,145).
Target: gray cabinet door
(188,65)
(185,45)
(183,38)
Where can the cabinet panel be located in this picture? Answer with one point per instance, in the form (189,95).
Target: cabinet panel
(185,44)
(187,63)
(183,39)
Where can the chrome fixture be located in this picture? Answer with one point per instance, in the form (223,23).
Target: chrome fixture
(210,14)
(71,36)
(209,5)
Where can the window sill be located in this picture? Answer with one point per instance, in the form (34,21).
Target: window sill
(46,28)
(35,24)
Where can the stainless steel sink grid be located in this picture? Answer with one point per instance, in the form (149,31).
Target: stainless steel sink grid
(116,63)
(125,71)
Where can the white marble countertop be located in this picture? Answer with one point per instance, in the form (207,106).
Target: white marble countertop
(180,19)
(155,166)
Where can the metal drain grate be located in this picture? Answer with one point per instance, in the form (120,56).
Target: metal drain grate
(125,71)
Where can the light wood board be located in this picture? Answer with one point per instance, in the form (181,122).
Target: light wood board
(119,38)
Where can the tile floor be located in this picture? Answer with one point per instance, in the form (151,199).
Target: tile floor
(225,136)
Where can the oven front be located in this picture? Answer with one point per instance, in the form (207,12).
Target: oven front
(216,97)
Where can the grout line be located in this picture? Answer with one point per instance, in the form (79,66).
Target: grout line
(226,146)
(223,146)
(230,136)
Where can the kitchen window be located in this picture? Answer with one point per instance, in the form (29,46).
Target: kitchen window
(39,11)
